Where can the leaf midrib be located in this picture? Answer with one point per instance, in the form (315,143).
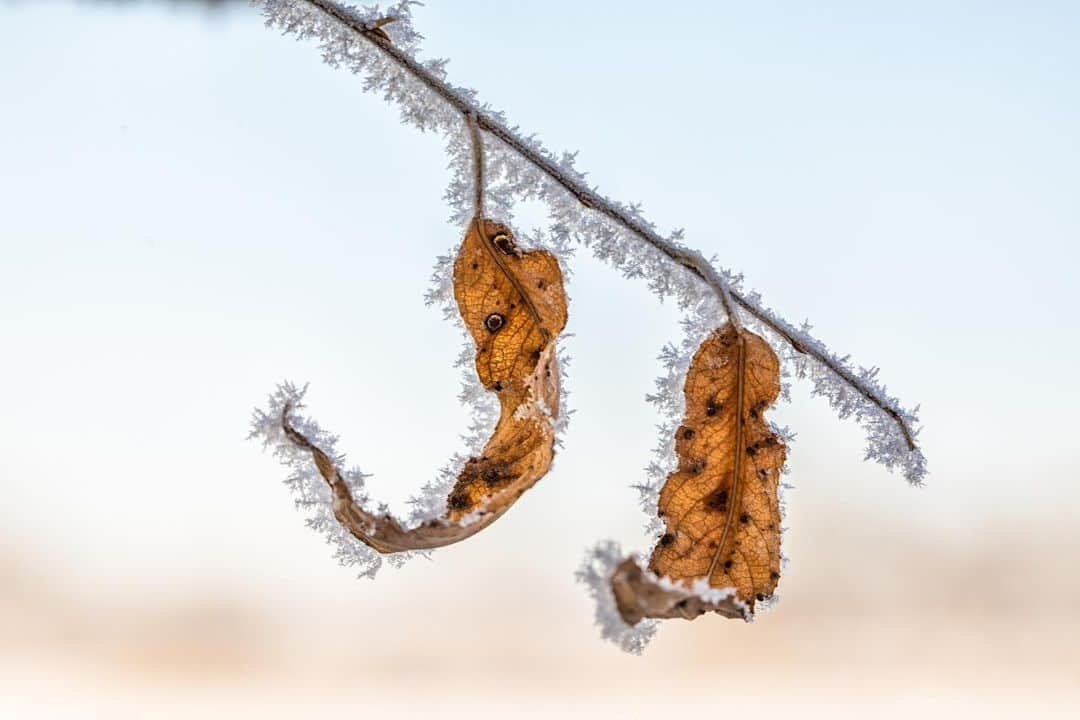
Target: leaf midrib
(493,253)
(735,504)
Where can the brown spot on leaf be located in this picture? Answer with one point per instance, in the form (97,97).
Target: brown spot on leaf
(718,501)
(505,244)
(457,501)
(494,322)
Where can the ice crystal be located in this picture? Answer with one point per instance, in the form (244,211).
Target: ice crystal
(595,573)
(512,179)
(310,490)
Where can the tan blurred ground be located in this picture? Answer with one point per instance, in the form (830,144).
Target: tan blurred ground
(987,631)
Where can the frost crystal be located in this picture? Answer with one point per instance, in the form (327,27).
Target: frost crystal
(885,440)
(310,489)
(595,573)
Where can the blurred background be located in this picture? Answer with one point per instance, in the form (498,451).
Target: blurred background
(193,208)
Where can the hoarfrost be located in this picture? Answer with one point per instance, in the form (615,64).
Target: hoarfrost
(512,179)
(311,492)
(595,573)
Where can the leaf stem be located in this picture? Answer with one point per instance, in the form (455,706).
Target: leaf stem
(478,164)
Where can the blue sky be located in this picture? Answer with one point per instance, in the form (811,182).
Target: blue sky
(195,208)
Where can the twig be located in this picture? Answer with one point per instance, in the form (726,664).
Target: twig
(691,259)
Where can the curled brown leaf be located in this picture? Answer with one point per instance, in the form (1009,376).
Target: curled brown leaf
(720,505)
(514,306)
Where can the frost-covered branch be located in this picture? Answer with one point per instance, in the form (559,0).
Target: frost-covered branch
(382,46)
(334,24)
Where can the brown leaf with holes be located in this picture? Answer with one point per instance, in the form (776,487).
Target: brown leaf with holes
(720,505)
(514,306)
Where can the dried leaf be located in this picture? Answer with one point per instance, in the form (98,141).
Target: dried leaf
(720,505)
(514,306)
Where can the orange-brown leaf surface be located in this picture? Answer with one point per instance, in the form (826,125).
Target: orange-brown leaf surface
(514,305)
(720,505)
